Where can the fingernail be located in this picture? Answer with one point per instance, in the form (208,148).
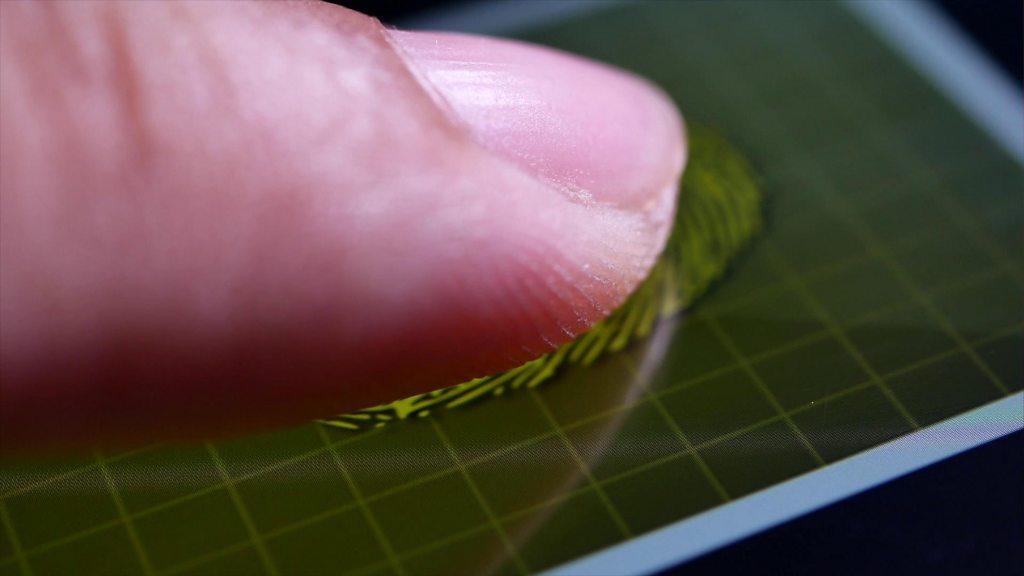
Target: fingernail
(593,131)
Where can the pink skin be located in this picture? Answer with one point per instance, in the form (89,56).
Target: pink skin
(223,217)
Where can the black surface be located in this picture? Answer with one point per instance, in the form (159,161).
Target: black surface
(964,515)
(996,25)
(389,10)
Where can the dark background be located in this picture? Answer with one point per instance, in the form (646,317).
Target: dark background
(994,24)
(964,515)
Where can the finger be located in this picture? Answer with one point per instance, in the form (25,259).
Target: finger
(218,217)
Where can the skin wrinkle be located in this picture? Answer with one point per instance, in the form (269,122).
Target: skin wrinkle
(586,295)
(541,307)
(435,95)
(528,327)
(568,328)
(217,79)
(581,317)
(522,333)
(543,310)
(127,89)
(551,259)
(585,317)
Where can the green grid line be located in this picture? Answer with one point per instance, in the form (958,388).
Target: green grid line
(178,500)
(749,369)
(780,173)
(997,335)
(911,159)
(963,221)
(488,511)
(371,519)
(690,449)
(12,534)
(905,278)
(57,542)
(413,553)
(30,486)
(133,535)
(208,556)
(620,523)
(840,335)
(243,511)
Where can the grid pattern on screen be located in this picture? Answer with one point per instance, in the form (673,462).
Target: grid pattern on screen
(883,297)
